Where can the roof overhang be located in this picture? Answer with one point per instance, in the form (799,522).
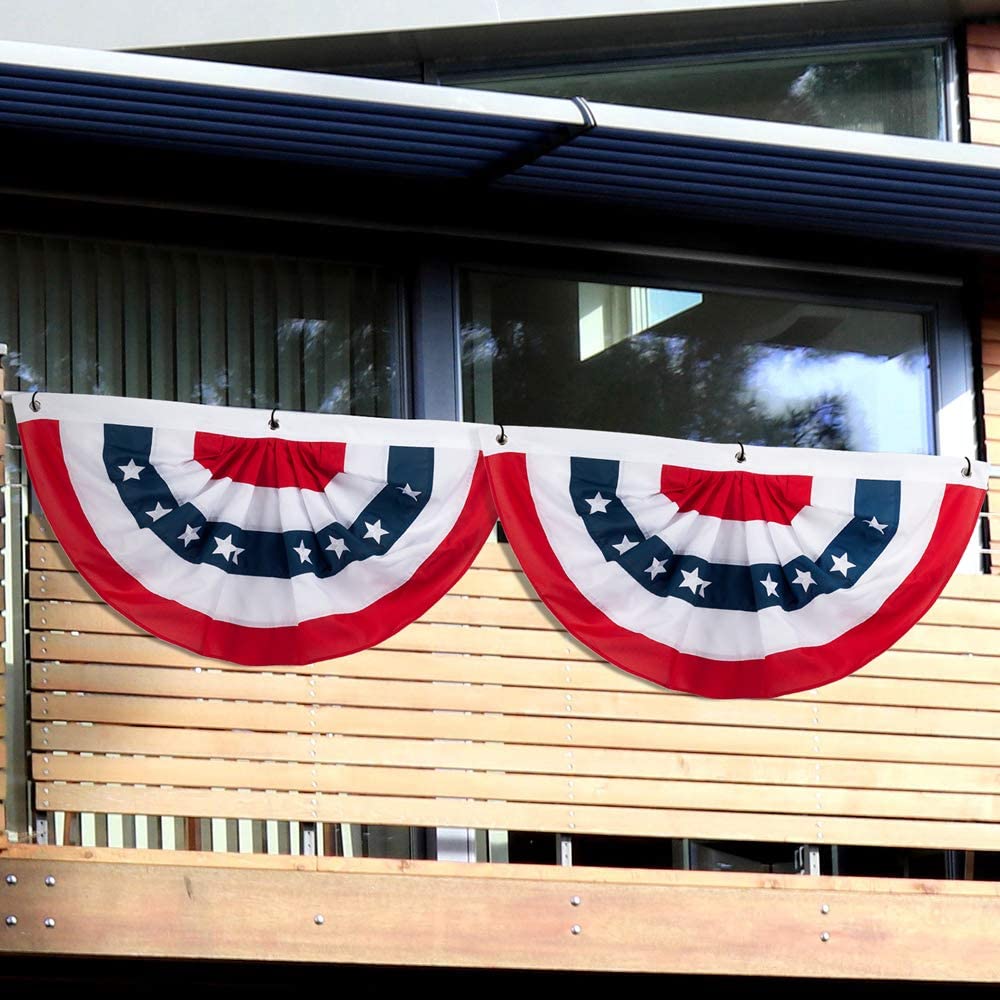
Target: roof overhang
(947,194)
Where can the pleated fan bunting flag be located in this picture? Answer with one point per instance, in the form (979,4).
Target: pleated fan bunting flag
(211,529)
(324,535)
(674,561)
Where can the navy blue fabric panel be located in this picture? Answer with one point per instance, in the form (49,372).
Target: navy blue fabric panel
(665,573)
(277,555)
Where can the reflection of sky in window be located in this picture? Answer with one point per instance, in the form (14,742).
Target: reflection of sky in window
(665,303)
(886,397)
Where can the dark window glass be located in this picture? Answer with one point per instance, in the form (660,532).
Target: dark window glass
(225,328)
(699,364)
(897,91)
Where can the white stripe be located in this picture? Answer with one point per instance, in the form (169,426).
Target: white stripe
(719,634)
(247,423)
(557,443)
(254,601)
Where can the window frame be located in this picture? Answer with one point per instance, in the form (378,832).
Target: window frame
(938,298)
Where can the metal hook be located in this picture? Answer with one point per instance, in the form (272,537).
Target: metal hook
(272,423)
(967,471)
(741,455)
(502,436)
(34,404)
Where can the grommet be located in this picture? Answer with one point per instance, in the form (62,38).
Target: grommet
(272,421)
(967,471)
(741,455)
(34,405)
(502,436)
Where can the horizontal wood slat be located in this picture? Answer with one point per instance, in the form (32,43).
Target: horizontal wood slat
(811,771)
(545,686)
(611,820)
(602,721)
(573,790)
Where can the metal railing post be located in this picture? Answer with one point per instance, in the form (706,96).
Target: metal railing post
(18,793)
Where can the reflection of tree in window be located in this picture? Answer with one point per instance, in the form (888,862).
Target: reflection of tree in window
(712,366)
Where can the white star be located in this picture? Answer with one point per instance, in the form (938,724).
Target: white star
(769,585)
(804,580)
(873,523)
(131,471)
(190,535)
(337,545)
(408,491)
(304,554)
(224,547)
(841,564)
(624,545)
(598,504)
(158,511)
(694,583)
(375,531)
(655,568)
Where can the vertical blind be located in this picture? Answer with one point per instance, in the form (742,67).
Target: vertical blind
(202,326)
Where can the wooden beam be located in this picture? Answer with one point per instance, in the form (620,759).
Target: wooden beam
(401,913)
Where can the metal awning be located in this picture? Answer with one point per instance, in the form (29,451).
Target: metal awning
(771,173)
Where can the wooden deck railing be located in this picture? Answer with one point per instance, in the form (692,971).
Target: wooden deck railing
(486,714)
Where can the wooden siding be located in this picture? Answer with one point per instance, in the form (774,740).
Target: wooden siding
(983,88)
(983,62)
(486,714)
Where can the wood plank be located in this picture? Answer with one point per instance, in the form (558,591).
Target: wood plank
(661,793)
(681,922)
(983,59)
(542,817)
(984,83)
(991,348)
(987,35)
(320,698)
(95,857)
(451,721)
(553,681)
(516,759)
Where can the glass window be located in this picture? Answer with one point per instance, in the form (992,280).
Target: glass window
(224,328)
(897,91)
(695,363)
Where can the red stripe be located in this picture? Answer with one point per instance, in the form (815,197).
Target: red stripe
(306,465)
(736,496)
(308,642)
(777,674)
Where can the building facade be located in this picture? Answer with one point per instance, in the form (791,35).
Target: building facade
(759,222)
